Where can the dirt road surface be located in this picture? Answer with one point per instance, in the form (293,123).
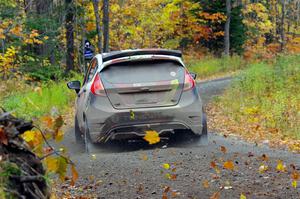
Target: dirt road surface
(137,170)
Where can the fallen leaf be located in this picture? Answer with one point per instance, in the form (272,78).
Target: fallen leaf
(213,165)
(205,184)
(243,196)
(166,166)
(3,137)
(74,175)
(223,149)
(164,196)
(263,168)
(294,184)
(152,137)
(216,195)
(228,165)
(93,157)
(295,175)
(51,164)
(168,176)
(281,166)
(140,189)
(29,136)
(59,136)
(173,177)
(144,157)
(59,122)
(264,157)
(166,189)
(174,193)
(48,121)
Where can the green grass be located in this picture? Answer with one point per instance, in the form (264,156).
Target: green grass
(210,66)
(268,95)
(35,101)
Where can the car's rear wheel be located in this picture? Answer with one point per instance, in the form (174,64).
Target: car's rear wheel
(78,133)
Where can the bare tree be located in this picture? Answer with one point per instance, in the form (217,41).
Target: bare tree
(106,25)
(227,28)
(69,24)
(98,25)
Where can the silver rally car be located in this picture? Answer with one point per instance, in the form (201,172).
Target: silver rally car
(126,93)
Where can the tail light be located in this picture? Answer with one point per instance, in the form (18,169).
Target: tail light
(97,87)
(189,82)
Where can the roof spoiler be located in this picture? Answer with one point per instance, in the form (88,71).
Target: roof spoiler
(127,53)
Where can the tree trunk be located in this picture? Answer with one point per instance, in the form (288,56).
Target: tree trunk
(227,28)
(106,25)
(282,31)
(98,26)
(70,35)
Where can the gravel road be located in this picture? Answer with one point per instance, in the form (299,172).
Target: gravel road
(137,170)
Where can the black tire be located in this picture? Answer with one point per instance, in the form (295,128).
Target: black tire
(78,133)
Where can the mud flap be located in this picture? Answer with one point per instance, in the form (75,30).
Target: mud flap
(203,138)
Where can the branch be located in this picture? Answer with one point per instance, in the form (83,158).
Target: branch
(25,179)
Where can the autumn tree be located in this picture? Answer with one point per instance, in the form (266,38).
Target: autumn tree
(98,25)
(105,25)
(227,28)
(69,25)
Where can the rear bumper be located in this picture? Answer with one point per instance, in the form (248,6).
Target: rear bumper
(105,122)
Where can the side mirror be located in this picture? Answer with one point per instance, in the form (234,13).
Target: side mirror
(194,75)
(74,85)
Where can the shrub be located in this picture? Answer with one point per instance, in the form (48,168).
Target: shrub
(267,95)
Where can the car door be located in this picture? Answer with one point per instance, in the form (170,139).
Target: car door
(83,94)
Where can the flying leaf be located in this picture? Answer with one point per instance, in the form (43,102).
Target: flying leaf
(152,137)
(74,175)
(243,196)
(280,166)
(228,165)
(132,115)
(223,149)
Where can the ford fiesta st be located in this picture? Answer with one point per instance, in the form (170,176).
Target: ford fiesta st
(126,93)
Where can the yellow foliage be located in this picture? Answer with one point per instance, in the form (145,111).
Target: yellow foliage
(8,60)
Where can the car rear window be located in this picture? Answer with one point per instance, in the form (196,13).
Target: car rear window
(145,71)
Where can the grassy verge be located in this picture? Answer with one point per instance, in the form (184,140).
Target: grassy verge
(34,101)
(210,67)
(263,103)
